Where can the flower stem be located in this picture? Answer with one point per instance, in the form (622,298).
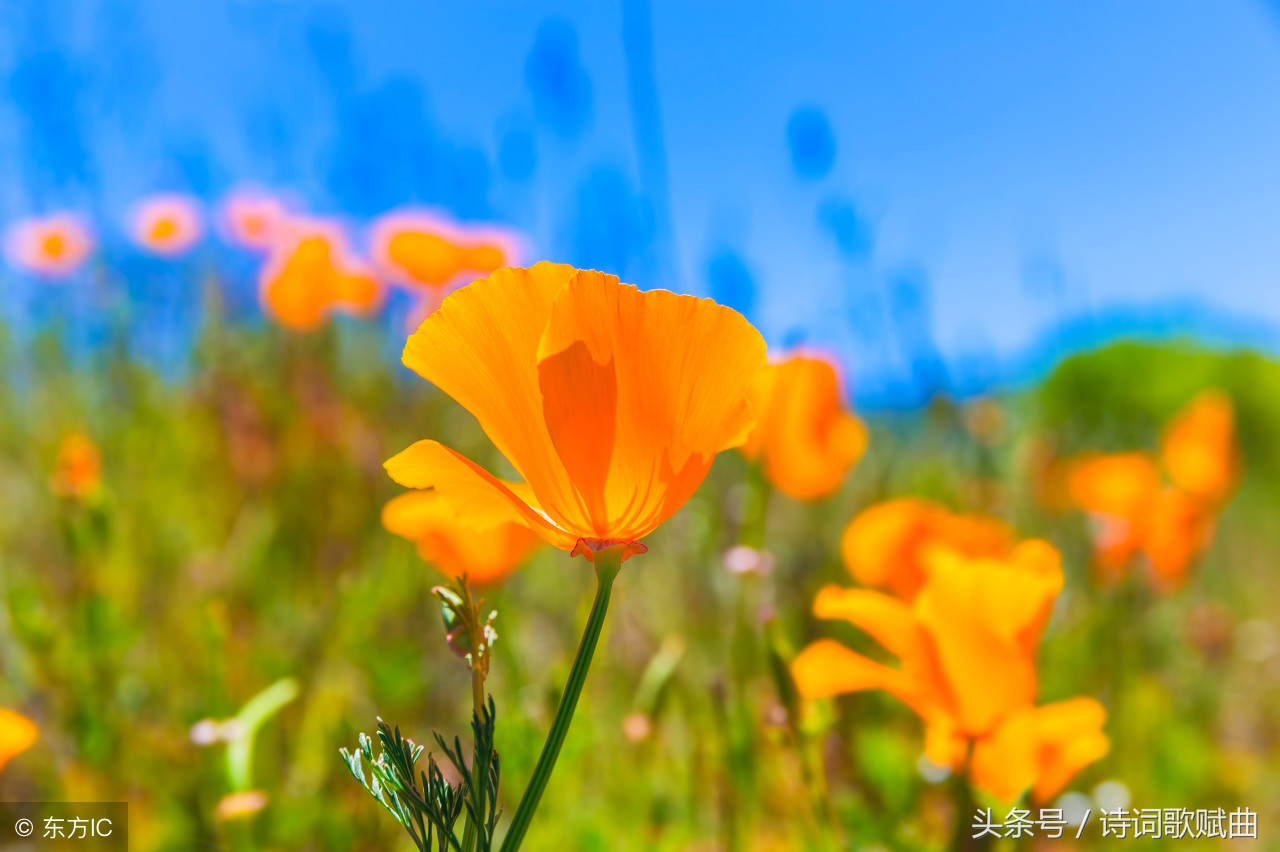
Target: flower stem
(608,562)
(471,836)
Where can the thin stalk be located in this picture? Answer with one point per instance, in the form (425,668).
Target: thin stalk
(962,839)
(471,837)
(756,513)
(608,562)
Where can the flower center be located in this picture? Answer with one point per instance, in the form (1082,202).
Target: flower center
(53,245)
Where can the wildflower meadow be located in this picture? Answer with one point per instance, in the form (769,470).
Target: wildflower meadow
(377,511)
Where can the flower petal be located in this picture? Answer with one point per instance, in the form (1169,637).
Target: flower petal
(894,625)
(1181,526)
(580,404)
(982,615)
(828,668)
(17,734)
(879,545)
(484,553)
(884,545)
(1071,738)
(808,436)
(478,497)
(1041,748)
(1005,761)
(680,395)
(1120,484)
(888,620)
(1199,447)
(481,348)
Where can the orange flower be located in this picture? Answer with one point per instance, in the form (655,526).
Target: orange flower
(610,402)
(252,219)
(430,256)
(1134,511)
(1179,528)
(1119,490)
(420,251)
(885,544)
(17,734)
(309,274)
(77,472)
(51,247)
(1199,448)
(485,554)
(804,432)
(967,646)
(167,225)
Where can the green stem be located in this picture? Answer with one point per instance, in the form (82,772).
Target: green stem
(608,562)
(751,533)
(471,837)
(962,839)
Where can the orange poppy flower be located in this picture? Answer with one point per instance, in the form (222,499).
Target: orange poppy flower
(1198,449)
(51,247)
(1134,511)
(430,256)
(17,734)
(610,402)
(421,251)
(252,219)
(884,545)
(967,645)
(485,554)
(167,225)
(309,274)
(1179,528)
(805,436)
(1119,491)
(77,472)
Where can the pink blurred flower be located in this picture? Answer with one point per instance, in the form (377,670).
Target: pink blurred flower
(50,246)
(251,219)
(167,225)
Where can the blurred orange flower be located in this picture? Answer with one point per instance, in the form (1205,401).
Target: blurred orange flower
(885,544)
(430,256)
(77,471)
(485,554)
(1119,490)
(418,250)
(50,246)
(17,734)
(1134,510)
(805,437)
(167,225)
(309,273)
(1199,450)
(251,219)
(967,646)
(610,402)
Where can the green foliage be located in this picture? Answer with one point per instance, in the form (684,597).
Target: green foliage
(426,804)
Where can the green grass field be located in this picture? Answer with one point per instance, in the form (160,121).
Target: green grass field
(235,541)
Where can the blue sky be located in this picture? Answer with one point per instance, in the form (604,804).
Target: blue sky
(960,177)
